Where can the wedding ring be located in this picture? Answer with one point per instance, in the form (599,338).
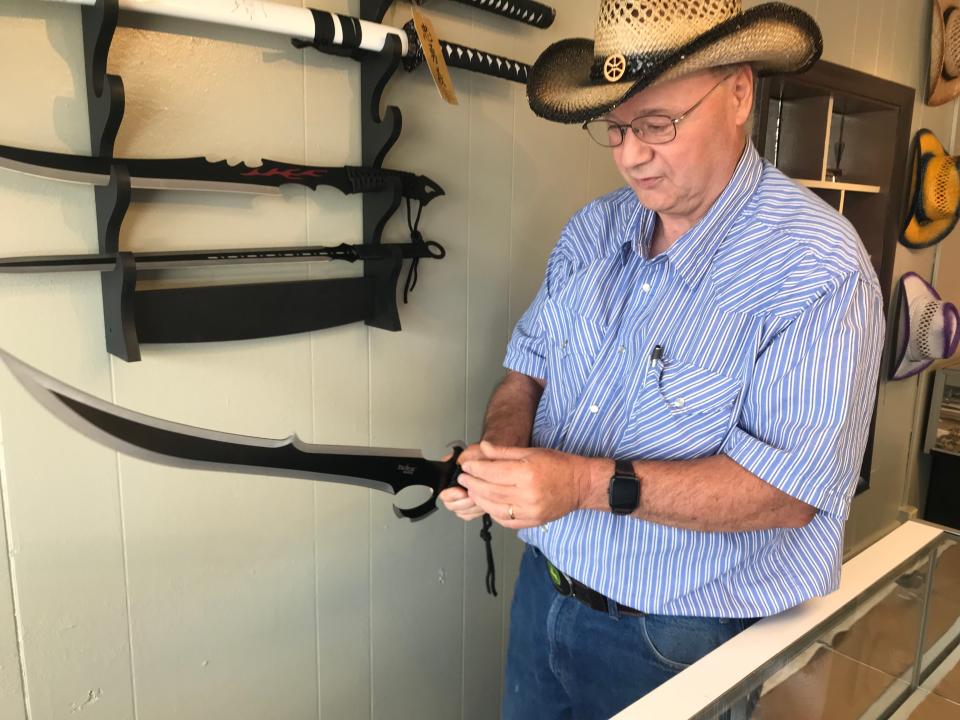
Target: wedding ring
(510,513)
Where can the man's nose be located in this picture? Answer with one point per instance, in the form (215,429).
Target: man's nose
(634,151)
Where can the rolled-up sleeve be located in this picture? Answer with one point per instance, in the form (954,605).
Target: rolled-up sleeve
(526,352)
(806,413)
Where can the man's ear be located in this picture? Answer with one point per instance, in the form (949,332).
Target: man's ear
(743,84)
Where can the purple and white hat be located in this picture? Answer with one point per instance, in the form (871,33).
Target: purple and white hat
(928,329)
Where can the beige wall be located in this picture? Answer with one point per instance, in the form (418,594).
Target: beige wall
(139,591)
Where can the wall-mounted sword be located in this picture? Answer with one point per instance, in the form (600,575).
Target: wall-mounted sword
(188,258)
(201,174)
(322,29)
(525,11)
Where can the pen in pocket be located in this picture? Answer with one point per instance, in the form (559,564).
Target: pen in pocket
(656,357)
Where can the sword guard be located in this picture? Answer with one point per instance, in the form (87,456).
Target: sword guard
(448,479)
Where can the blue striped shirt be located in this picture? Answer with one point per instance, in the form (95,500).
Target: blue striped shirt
(770,320)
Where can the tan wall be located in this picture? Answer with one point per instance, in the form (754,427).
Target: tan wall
(139,591)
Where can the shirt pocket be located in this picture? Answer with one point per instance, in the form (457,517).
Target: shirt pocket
(687,390)
(573,344)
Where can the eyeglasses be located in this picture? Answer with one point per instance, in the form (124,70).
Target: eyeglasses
(652,129)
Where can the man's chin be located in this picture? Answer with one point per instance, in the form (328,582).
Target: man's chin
(650,198)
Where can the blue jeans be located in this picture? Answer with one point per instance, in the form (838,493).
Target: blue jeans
(566,661)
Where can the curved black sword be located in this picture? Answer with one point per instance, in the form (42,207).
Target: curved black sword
(168,443)
(198,173)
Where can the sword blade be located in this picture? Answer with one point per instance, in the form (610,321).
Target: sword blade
(167,443)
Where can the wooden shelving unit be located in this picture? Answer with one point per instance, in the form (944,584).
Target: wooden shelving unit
(844,134)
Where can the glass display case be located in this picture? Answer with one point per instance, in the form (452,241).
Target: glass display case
(943,443)
(885,645)
(943,423)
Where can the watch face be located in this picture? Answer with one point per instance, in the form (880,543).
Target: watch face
(624,494)
(624,490)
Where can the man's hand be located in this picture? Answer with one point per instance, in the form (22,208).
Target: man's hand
(455,499)
(509,420)
(538,485)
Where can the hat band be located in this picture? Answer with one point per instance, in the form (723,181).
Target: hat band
(617,67)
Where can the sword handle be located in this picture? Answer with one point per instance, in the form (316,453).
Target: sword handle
(525,11)
(448,478)
(478,61)
(466,58)
(371,179)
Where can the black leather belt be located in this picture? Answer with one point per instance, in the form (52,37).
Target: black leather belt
(567,586)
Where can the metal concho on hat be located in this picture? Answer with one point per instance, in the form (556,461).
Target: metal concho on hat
(634,34)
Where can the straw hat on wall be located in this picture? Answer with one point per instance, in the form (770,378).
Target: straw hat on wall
(943,83)
(934,193)
(928,328)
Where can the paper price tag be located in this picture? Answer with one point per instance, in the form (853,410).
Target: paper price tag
(433,55)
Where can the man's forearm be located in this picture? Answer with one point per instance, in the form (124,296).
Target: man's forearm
(512,407)
(712,494)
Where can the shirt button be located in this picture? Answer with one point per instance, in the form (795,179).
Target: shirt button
(621,349)
(594,409)
(679,403)
(645,287)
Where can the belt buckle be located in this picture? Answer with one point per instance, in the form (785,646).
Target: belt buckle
(560,581)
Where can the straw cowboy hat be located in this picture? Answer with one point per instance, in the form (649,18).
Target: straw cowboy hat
(943,82)
(934,193)
(928,328)
(640,42)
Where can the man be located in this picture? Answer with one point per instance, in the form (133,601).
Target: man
(688,396)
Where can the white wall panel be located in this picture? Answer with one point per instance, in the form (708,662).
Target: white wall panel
(12,703)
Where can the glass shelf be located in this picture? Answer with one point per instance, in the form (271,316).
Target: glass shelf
(886,644)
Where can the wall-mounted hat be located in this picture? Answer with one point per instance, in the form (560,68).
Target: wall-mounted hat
(640,42)
(934,193)
(928,329)
(943,82)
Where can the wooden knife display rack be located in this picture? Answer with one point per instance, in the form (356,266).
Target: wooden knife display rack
(237,312)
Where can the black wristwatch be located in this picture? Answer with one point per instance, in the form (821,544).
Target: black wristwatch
(624,490)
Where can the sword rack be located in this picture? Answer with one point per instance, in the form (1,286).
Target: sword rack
(238,312)
(378,134)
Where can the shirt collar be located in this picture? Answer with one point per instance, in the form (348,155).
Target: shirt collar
(692,253)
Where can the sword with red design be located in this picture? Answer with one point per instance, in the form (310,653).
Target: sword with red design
(325,30)
(201,174)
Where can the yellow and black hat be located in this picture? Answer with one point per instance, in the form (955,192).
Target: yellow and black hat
(640,42)
(934,193)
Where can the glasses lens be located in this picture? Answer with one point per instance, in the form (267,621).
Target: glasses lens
(654,129)
(604,133)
